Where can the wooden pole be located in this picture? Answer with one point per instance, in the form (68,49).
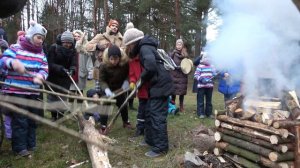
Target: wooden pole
(297,146)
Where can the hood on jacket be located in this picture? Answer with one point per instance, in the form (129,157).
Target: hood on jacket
(147,40)
(123,60)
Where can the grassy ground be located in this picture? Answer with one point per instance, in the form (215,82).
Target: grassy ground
(56,149)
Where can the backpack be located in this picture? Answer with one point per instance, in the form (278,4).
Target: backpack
(164,58)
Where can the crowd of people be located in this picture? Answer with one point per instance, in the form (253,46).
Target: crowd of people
(127,62)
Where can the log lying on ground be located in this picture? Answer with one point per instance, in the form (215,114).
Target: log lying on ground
(241,161)
(218,151)
(283,148)
(297,146)
(98,156)
(285,124)
(246,154)
(251,132)
(257,126)
(220,112)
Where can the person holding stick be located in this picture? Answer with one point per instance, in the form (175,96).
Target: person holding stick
(26,66)
(113,75)
(62,63)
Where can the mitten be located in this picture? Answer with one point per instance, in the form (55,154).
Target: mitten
(108,92)
(132,86)
(125,85)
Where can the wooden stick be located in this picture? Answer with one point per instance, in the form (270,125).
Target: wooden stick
(101,101)
(297,146)
(257,126)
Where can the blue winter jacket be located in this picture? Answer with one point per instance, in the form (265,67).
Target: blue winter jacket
(228,88)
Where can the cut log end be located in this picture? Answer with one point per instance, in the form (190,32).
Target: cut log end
(274,139)
(217,136)
(217,123)
(284,148)
(273,156)
(217,151)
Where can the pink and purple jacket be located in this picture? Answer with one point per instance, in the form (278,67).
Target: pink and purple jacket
(34,63)
(207,71)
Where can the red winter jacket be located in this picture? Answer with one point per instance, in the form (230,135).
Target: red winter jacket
(135,70)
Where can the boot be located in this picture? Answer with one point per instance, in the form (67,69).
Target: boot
(181,109)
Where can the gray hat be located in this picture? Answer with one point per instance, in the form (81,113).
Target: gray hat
(132,35)
(34,29)
(3,43)
(67,36)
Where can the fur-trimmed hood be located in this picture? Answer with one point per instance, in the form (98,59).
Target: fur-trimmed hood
(81,43)
(124,58)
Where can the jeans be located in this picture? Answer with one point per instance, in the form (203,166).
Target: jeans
(204,93)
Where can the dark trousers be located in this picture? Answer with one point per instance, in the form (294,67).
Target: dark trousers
(124,111)
(23,128)
(140,124)
(204,93)
(181,98)
(156,134)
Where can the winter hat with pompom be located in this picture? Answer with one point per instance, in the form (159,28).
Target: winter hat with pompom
(132,35)
(34,29)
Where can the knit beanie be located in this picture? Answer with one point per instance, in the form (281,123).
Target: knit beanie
(67,36)
(114,51)
(3,43)
(21,33)
(129,26)
(132,35)
(34,29)
(91,92)
(179,41)
(111,21)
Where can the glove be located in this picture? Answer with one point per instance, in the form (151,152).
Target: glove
(64,70)
(38,79)
(71,72)
(17,66)
(108,92)
(205,80)
(125,85)
(132,86)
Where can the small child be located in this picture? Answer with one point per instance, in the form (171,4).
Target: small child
(172,109)
(204,75)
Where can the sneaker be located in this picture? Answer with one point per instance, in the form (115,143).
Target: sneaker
(143,143)
(152,154)
(202,116)
(23,153)
(32,149)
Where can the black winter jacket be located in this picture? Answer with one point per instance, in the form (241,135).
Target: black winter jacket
(60,58)
(160,81)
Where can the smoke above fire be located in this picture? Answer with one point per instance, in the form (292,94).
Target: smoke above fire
(260,40)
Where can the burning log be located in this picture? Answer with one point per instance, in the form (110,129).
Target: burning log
(246,154)
(257,126)
(283,148)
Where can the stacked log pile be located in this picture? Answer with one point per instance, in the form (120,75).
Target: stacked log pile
(262,133)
